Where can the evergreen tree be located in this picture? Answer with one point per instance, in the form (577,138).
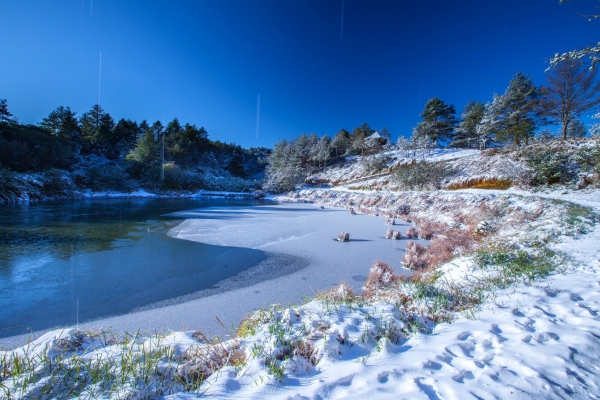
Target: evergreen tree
(125,135)
(516,111)
(63,123)
(341,142)
(146,150)
(438,121)
(5,115)
(385,133)
(466,133)
(173,127)
(236,162)
(96,128)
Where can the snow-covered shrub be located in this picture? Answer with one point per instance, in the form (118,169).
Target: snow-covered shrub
(389,233)
(380,275)
(422,175)
(396,235)
(411,232)
(425,230)
(108,177)
(413,258)
(352,211)
(342,292)
(390,221)
(344,237)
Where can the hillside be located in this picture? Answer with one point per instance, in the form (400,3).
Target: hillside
(503,302)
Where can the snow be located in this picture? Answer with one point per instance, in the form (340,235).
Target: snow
(538,341)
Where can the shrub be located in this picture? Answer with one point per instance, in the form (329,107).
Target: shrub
(425,230)
(422,175)
(389,233)
(390,221)
(380,275)
(411,232)
(344,237)
(342,292)
(414,256)
(107,177)
(396,235)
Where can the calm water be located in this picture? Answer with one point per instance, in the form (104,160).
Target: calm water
(63,262)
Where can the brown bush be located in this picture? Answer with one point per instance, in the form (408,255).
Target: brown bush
(411,232)
(414,258)
(341,292)
(396,235)
(389,233)
(426,230)
(380,275)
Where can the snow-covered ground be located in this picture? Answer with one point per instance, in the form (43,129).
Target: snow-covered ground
(531,341)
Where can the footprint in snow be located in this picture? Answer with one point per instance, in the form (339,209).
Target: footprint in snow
(463,335)
(432,365)
(527,324)
(445,357)
(575,297)
(485,360)
(589,309)
(382,377)
(546,336)
(464,374)
(527,338)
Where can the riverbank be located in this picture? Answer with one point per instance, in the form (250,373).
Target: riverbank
(301,259)
(534,337)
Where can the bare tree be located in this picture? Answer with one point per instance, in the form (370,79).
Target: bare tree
(571,93)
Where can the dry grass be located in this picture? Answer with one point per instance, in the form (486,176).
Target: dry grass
(414,256)
(341,293)
(426,230)
(482,183)
(411,232)
(380,275)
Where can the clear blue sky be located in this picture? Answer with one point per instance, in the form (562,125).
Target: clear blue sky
(206,62)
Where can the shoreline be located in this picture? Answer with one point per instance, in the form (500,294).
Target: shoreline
(306,226)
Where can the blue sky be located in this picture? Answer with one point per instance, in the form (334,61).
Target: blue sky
(206,62)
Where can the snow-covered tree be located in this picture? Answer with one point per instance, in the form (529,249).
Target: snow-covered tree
(512,117)
(438,121)
(576,129)
(341,142)
(571,92)
(465,135)
(591,52)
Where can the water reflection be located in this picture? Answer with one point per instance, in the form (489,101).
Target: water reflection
(109,256)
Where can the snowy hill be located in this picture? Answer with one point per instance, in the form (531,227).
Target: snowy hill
(503,303)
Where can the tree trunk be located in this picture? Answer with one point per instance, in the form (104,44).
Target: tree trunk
(564,130)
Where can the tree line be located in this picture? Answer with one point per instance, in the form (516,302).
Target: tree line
(62,139)
(509,119)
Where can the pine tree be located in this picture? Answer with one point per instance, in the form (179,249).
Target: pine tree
(516,111)
(146,150)
(63,123)
(438,121)
(5,115)
(341,142)
(466,133)
(96,128)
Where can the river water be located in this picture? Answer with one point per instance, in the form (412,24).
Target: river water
(65,262)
